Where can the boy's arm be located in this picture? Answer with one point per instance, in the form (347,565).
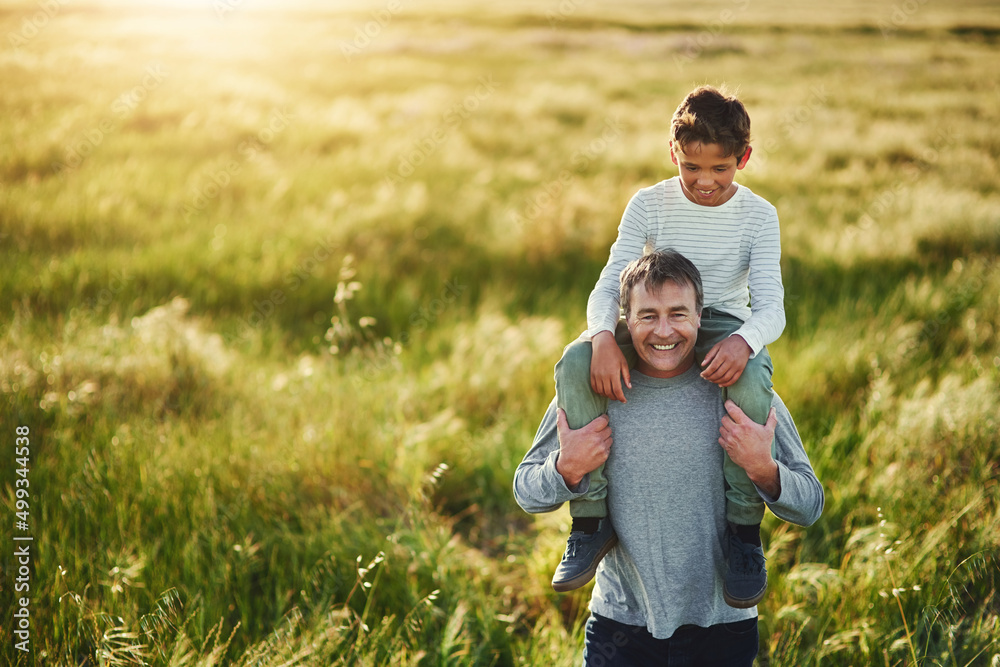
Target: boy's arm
(767,294)
(603,309)
(608,367)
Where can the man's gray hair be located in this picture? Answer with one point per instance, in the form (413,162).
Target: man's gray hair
(655,269)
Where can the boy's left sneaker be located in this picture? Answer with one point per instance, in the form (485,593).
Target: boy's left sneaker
(746,574)
(584,551)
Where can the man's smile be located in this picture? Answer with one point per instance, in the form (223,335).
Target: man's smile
(664,348)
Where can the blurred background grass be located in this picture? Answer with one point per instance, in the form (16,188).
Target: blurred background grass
(283,287)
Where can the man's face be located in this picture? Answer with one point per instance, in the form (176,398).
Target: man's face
(664,327)
(707,176)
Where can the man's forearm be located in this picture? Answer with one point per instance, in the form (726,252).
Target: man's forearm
(768,479)
(538,484)
(572,478)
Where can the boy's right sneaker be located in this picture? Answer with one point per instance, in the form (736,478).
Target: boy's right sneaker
(584,551)
(746,574)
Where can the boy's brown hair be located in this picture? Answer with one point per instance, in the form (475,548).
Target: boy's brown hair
(711,116)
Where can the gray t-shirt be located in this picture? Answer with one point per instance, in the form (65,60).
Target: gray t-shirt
(666,500)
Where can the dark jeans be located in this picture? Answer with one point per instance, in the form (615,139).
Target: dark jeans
(613,644)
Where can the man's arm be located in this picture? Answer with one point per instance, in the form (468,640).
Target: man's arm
(748,444)
(786,481)
(557,466)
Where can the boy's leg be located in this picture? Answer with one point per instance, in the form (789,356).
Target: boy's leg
(592,536)
(746,576)
(582,406)
(753,393)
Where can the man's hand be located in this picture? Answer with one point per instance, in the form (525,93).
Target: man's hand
(725,361)
(582,450)
(607,367)
(749,446)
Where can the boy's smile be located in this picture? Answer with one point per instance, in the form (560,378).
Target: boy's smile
(706,174)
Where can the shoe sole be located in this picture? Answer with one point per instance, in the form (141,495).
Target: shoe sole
(581,579)
(743,603)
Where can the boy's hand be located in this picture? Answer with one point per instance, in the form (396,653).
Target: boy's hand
(725,362)
(582,450)
(607,368)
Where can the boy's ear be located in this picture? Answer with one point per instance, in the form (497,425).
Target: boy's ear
(743,160)
(673,158)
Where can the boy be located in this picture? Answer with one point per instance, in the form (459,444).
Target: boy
(732,237)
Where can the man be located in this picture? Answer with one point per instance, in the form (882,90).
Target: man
(658,598)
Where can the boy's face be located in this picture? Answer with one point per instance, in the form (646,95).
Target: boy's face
(664,327)
(706,175)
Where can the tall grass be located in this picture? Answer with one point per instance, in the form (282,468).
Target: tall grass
(282,322)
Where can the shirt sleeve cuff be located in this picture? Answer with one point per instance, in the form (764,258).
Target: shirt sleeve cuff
(601,327)
(745,335)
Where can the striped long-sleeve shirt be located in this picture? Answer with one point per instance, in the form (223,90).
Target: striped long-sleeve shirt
(736,247)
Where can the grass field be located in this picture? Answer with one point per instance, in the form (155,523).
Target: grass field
(283,286)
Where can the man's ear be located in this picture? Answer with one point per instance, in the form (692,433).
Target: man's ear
(743,160)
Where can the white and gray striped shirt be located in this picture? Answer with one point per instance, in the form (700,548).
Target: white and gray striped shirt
(736,247)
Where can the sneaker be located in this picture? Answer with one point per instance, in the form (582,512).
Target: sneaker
(583,553)
(746,575)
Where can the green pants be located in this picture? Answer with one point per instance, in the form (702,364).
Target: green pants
(752,392)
